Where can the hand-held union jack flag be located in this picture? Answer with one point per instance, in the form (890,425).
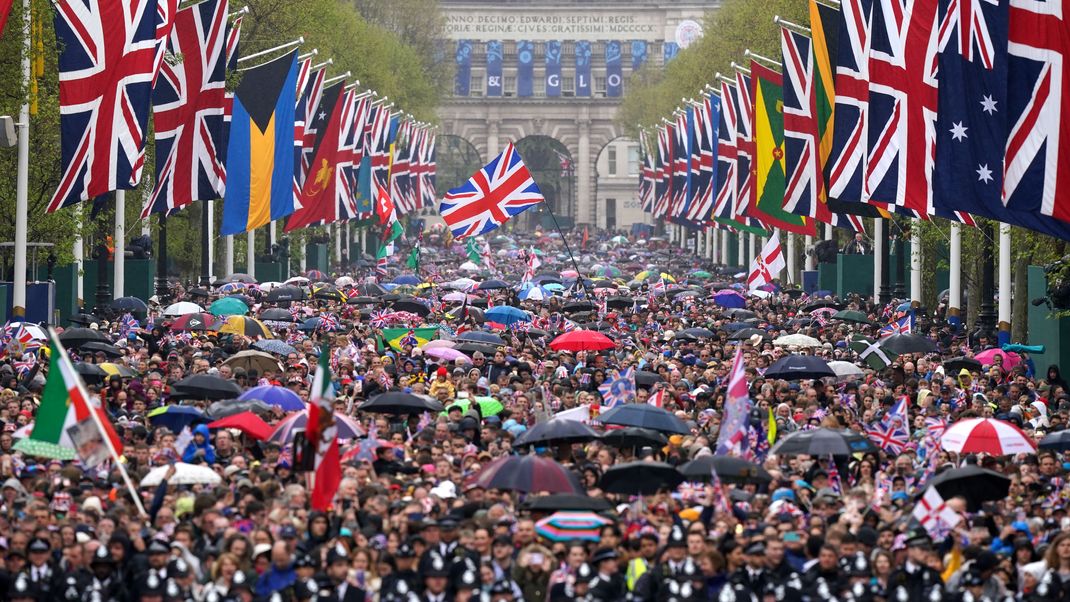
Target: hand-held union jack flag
(904,325)
(107,55)
(618,390)
(891,433)
(492,195)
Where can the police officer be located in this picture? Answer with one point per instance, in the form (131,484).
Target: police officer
(405,558)
(338,574)
(180,581)
(751,579)
(915,579)
(24,590)
(466,586)
(150,588)
(608,585)
(105,581)
(434,570)
(653,585)
(858,585)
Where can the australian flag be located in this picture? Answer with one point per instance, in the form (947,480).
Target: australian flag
(973,122)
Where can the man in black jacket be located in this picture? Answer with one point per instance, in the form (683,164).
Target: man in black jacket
(915,579)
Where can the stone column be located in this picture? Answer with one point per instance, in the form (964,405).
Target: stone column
(584,203)
(492,140)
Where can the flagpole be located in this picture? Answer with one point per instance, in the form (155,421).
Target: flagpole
(564,239)
(119,243)
(297,42)
(22,172)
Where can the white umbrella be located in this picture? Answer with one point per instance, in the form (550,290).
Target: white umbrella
(298,280)
(462,284)
(845,370)
(344,281)
(35,331)
(185,474)
(267,287)
(468,265)
(760,293)
(796,340)
(182,308)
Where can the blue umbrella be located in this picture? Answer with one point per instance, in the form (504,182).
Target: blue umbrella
(505,314)
(407,279)
(274,346)
(904,306)
(479,336)
(276,396)
(535,293)
(176,417)
(731,299)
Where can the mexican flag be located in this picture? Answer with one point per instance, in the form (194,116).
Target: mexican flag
(65,407)
(322,433)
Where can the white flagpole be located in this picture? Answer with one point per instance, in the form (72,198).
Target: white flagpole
(297,42)
(22,183)
(250,253)
(1004,307)
(954,293)
(915,262)
(118,242)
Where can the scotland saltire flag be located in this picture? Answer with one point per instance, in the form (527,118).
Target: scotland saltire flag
(502,189)
(618,390)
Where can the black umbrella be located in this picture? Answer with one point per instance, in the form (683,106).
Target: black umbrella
(740,314)
(370,290)
(645,416)
(565,501)
(199,292)
(823,441)
(955,364)
(640,478)
(246,278)
(130,304)
(972,482)
(102,347)
(644,378)
(908,343)
(632,436)
(492,284)
(84,319)
(620,302)
(478,336)
(400,404)
(412,306)
(205,386)
(362,300)
(90,372)
(472,347)
(809,307)
(1057,441)
(696,333)
(286,293)
(276,314)
(76,337)
(329,293)
(729,469)
(736,326)
(745,333)
(557,430)
(799,367)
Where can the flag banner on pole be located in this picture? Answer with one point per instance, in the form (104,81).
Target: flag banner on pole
(189,110)
(934,514)
(260,153)
(309,93)
(525,68)
(846,168)
(725,189)
(646,182)
(662,172)
(614,76)
(351,203)
(107,60)
(319,194)
(5,12)
(732,438)
(583,68)
(502,189)
(639,52)
(463,58)
(707,116)
(746,189)
(322,433)
(553,68)
(873,354)
(494,68)
(768,264)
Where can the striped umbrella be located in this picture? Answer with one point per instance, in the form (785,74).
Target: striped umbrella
(987,436)
(567,526)
(284,431)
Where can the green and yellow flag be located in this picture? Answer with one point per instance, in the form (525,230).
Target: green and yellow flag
(398,338)
(768,93)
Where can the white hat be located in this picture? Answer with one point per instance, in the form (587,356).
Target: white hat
(92,503)
(445,490)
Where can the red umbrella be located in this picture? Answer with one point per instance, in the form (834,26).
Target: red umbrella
(527,474)
(246,422)
(582,340)
(986,435)
(197,321)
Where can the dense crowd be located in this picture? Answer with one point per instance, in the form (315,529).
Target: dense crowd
(413,520)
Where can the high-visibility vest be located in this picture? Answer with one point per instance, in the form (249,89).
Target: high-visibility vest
(636,568)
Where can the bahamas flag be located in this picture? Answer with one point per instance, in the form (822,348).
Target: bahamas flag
(398,338)
(260,157)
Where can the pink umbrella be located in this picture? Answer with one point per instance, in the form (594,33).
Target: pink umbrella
(570,274)
(447,355)
(986,435)
(438,343)
(457,296)
(1010,359)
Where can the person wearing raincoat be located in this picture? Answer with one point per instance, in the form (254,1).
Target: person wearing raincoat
(200,449)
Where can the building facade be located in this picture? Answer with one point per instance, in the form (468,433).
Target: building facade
(557,70)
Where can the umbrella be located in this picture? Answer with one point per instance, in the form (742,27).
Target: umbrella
(799,367)
(233,287)
(986,357)
(250,359)
(564,501)
(195,321)
(956,364)
(348,428)
(986,436)
(90,372)
(823,441)
(102,347)
(645,416)
(571,525)
(908,343)
(644,378)
(76,337)
(228,306)
(527,474)
(976,484)
(582,340)
(286,293)
(229,407)
(745,333)
(633,436)
(316,276)
(472,347)
(329,292)
(740,314)
(809,307)
(275,396)
(362,300)
(640,478)
(407,279)
(276,314)
(119,370)
(700,274)
(182,308)
(1058,441)
(796,340)
(246,422)
(845,370)
(369,290)
(84,319)
(175,417)
(447,354)
(205,386)
(185,474)
(556,431)
(492,284)
(130,304)
(507,315)
(412,306)
(729,469)
(317,323)
(478,336)
(729,298)
(398,403)
(462,284)
(696,333)
(578,306)
(275,346)
(620,302)
(438,343)
(246,278)
(343,281)
(851,315)
(488,406)
(245,326)
(535,293)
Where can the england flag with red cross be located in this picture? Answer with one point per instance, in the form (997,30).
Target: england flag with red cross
(502,189)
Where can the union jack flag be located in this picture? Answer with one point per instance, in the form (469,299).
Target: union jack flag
(409,339)
(707,117)
(725,205)
(17,340)
(746,169)
(904,325)
(618,390)
(189,108)
(379,146)
(492,195)
(380,318)
(328,323)
(108,51)
(127,323)
(24,364)
(835,483)
(399,170)
(847,161)
(891,433)
(646,181)
(663,173)
(427,171)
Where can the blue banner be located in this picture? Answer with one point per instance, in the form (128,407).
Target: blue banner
(613,69)
(464,68)
(638,54)
(494,68)
(671,50)
(553,68)
(583,68)
(525,69)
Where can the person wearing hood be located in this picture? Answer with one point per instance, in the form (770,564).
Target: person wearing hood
(319,533)
(280,575)
(200,449)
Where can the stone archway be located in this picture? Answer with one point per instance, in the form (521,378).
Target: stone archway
(616,180)
(456,160)
(551,164)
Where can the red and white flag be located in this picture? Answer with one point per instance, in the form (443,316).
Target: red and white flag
(933,514)
(657,399)
(768,265)
(322,432)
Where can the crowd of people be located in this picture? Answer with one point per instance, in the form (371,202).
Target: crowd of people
(413,520)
